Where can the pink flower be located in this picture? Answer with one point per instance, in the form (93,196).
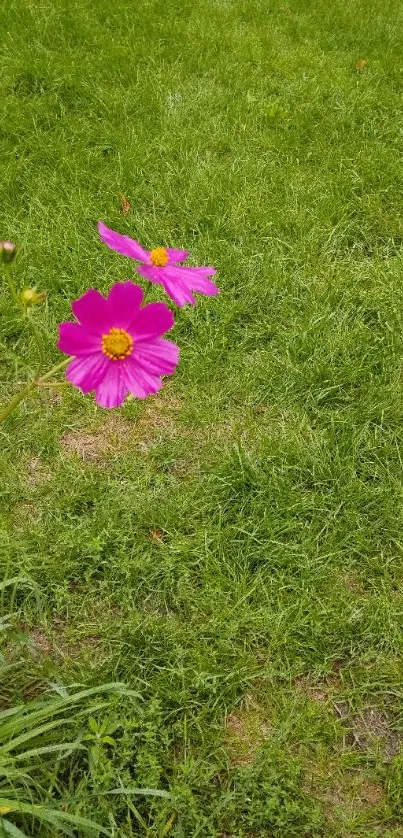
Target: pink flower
(117,345)
(159,266)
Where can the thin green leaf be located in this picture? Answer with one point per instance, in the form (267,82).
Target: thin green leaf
(43,709)
(52,816)
(8,828)
(146,792)
(13,711)
(69,747)
(15,580)
(31,734)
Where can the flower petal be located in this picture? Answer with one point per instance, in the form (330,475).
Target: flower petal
(122,244)
(87,371)
(194,279)
(151,321)
(179,281)
(150,272)
(74,339)
(200,283)
(179,292)
(176,255)
(139,381)
(207,270)
(158,357)
(124,300)
(112,390)
(93,311)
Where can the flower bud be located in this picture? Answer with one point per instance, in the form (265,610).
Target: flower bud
(32,297)
(8,251)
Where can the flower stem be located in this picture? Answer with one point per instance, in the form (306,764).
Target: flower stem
(5,413)
(12,286)
(60,366)
(38,340)
(15,401)
(147,292)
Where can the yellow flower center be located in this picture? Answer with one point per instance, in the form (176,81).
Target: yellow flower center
(117,344)
(159,257)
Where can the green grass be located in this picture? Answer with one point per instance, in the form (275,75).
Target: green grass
(231,550)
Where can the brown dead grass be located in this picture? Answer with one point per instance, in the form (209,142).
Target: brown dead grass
(39,641)
(61,641)
(343,794)
(371,793)
(102,442)
(319,691)
(24,513)
(371,730)
(117,434)
(57,645)
(36,473)
(159,420)
(246,731)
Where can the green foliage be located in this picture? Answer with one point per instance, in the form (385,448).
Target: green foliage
(395,786)
(239,538)
(265,799)
(269,795)
(35,740)
(60,735)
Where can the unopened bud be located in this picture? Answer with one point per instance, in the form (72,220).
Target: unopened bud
(32,297)
(8,251)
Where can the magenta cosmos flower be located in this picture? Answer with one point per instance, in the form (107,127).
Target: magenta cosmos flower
(117,345)
(160,266)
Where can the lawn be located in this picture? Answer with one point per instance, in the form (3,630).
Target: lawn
(230,549)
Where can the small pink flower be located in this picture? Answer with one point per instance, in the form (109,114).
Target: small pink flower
(117,345)
(159,266)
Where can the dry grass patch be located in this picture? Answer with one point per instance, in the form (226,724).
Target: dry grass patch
(63,642)
(343,794)
(36,473)
(117,433)
(246,730)
(371,730)
(104,441)
(319,691)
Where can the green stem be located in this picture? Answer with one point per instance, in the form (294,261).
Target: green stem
(147,292)
(38,340)
(12,286)
(5,413)
(24,311)
(60,366)
(15,401)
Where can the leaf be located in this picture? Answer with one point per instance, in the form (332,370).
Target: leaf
(53,816)
(68,748)
(169,824)
(124,204)
(145,792)
(107,740)
(26,715)
(31,734)
(9,828)
(14,581)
